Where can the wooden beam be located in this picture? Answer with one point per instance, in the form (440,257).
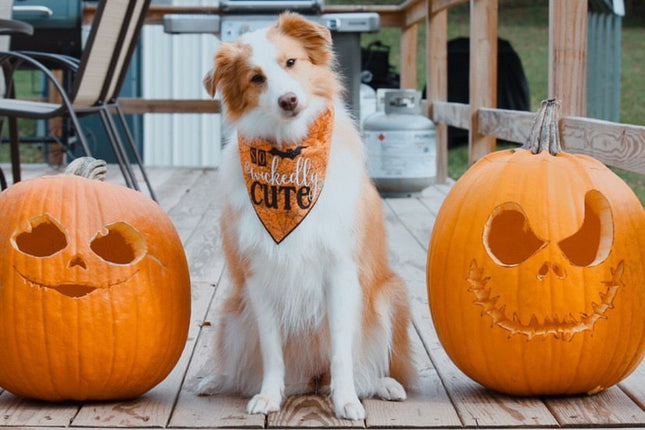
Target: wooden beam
(391,15)
(439,5)
(414,13)
(453,114)
(141,106)
(437,79)
(483,72)
(618,145)
(409,54)
(568,55)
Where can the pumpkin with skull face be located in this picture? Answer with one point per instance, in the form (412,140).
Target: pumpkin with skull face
(536,278)
(94,290)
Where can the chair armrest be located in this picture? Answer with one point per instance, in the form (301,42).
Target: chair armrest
(11,60)
(12,26)
(65,61)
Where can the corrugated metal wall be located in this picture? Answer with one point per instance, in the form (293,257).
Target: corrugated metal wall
(173,67)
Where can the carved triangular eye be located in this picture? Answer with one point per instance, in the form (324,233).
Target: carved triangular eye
(592,243)
(508,237)
(120,243)
(44,237)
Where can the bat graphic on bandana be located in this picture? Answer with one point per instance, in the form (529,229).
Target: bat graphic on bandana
(289,153)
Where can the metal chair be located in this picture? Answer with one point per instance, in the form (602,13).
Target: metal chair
(9,27)
(96,81)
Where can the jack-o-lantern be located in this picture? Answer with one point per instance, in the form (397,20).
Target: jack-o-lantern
(536,273)
(94,290)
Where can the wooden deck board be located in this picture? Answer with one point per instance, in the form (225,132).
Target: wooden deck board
(476,405)
(445,397)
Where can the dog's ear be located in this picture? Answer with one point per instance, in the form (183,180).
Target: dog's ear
(315,38)
(209,85)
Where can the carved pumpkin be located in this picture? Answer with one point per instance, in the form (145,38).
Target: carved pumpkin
(94,290)
(536,278)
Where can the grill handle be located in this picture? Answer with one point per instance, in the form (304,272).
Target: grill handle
(39,11)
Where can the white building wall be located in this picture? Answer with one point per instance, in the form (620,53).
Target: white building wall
(173,67)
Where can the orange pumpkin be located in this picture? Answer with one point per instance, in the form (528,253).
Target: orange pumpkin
(94,290)
(536,278)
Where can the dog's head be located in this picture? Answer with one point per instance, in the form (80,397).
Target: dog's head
(276,76)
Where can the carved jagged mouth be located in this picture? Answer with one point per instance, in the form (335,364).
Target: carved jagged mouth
(561,327)
(71,290)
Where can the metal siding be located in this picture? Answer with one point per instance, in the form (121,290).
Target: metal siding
(173,67)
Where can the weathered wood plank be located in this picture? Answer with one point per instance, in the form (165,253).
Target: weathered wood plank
(190,209)
(610,407)
(154,408)
(618,145)
(139,106)
(193,411)
(510,125)
(454,114)
(409,38)
(437,79)
(15,411)
(309,411)
(568,55)
(414,12)
(483,72)
(418,218)
(432,198)
(176,186)
(634,386)
(475,405)
(427,404)
(203,248)
(439,5)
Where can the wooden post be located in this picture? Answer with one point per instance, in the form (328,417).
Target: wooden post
(483,72)
(568,55)
(409,39)
(437,79)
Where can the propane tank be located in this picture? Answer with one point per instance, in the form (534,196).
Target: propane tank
(401,145)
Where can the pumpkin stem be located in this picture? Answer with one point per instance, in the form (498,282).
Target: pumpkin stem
(545,135)
(87,167)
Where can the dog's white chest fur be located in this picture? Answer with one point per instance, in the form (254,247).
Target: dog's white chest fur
(294,273)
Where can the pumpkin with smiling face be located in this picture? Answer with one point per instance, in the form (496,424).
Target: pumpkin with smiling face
(536,279)
(94,290)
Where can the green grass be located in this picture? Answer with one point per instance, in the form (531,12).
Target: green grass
(525,24)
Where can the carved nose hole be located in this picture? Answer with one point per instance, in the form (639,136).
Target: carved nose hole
(559,271)
(544,270)
(77,260)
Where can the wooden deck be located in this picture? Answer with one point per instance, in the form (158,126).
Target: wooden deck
(445,397)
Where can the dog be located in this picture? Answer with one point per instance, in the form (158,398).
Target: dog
(313,298)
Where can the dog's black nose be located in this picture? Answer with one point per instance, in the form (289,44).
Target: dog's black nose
(288,102)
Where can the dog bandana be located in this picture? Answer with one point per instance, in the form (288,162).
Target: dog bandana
(284,184)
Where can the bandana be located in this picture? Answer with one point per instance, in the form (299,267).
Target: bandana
(284,184)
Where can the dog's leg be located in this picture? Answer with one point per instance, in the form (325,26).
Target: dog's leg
(344,313)
(272,391)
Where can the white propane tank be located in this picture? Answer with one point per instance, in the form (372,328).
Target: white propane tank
(401,145)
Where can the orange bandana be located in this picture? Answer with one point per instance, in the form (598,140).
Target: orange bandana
(284,184)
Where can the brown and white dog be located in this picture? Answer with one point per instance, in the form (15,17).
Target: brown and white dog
(320,300)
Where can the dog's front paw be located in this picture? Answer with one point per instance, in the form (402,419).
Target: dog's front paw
(206,385)
(390,389)
(350,410)
(261,404)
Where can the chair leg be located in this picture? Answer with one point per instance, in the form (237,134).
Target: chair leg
(3,181)
(123,163)
(121,147)
(133,147)
(14,148)
(79,132)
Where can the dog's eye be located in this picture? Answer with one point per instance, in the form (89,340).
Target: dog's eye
(291,62)
(257,79)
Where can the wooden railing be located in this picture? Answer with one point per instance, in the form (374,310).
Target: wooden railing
(619,145)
